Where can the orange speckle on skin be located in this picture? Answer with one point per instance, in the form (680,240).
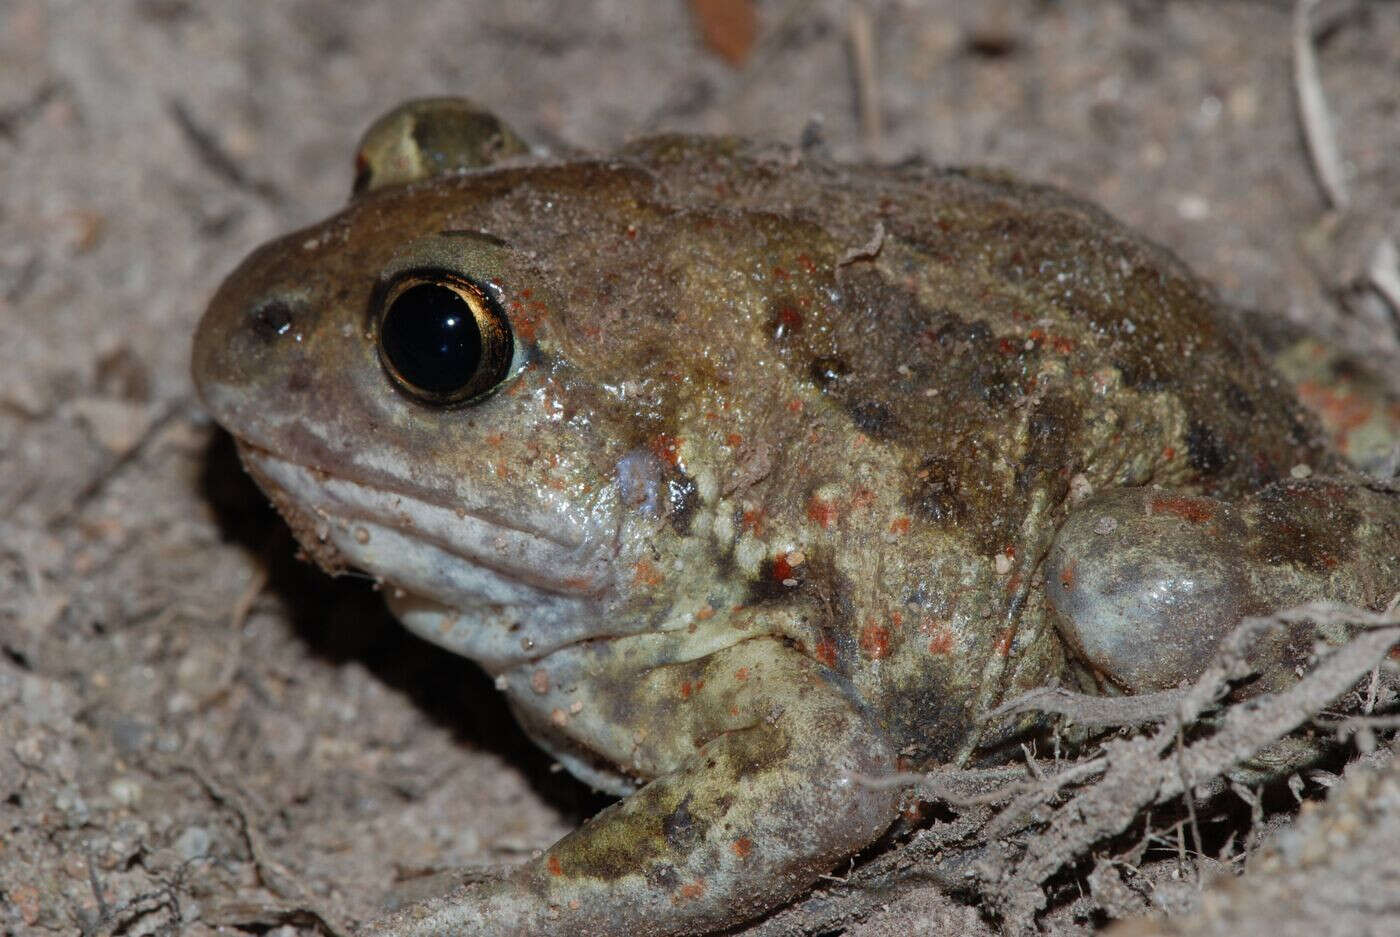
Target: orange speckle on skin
(941,642)
(782,569)
(896,618)
(1169,453)
(1193,510)
(1068,573)
(645,574)
(525,327)
(665,446)
(734,440)
(742,674)
(494,439)
(554,866)
(795,406)
(1003,642)
(741,847)
(780,274)
(1007,347)
(820,511)
(875,640)
(900,525)
(1063,345)
(1037,335)
(752,521)
(706,613)
(862,498)
(686,689)
(825,651)
(693,890)
(806,263)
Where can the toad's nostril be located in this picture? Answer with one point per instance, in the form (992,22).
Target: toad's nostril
(272,318)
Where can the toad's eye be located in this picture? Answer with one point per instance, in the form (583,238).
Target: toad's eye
(442,338)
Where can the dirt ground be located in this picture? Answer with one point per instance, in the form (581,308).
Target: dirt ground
(199,734)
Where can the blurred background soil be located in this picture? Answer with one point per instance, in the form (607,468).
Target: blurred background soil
(196,730)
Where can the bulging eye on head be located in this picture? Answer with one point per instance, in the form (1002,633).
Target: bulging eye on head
(443,339)
(431,137)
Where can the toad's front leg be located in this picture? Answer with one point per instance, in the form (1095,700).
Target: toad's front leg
(760,807)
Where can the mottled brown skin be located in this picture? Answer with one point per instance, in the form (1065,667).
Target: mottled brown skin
(769,498)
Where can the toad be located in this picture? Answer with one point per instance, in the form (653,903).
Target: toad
(748,475)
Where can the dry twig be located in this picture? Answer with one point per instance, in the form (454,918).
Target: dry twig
(1144,771)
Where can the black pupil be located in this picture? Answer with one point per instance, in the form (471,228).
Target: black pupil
(431,338)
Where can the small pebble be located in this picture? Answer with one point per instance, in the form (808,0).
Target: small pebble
(193,842)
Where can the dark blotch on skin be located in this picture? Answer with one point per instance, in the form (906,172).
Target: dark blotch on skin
(826,371)
(875,419)
(1238,399)
(995,385)
(935,495)
(1142,377)
(1055,421)
(977,333)
(1299,433)
(754,751)
(682,498)
(1309,524)
(934,723)
(680,828)
(1204,450)
(769,586)
(663,876)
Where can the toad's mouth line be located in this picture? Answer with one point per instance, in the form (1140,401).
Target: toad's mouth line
(449,554)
